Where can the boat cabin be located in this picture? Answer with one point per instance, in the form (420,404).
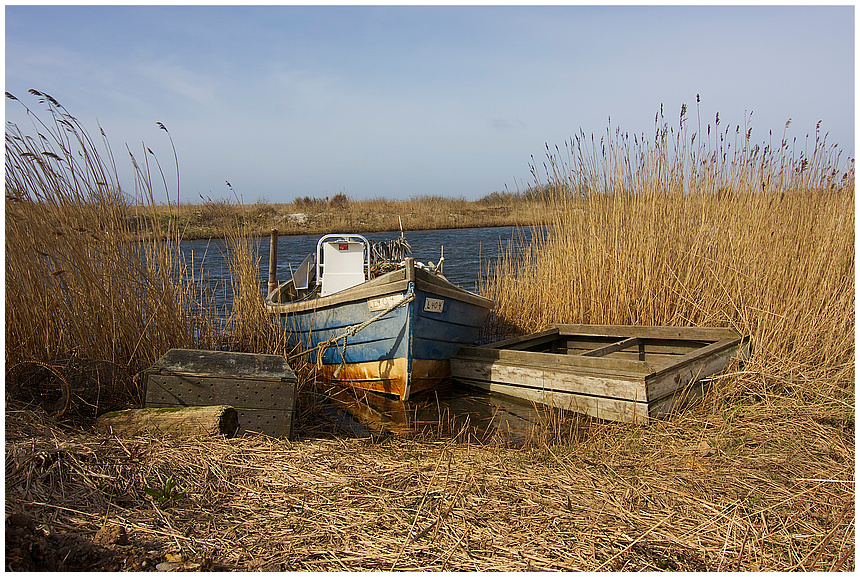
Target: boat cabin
(343,261)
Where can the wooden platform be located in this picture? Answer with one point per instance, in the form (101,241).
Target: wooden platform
(262,388)
(614,372)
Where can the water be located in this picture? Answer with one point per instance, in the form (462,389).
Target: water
(468,254)
(455,411)
(465,249)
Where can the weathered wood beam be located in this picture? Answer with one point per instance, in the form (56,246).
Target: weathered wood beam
(622,331)
(527,340)
(207,421)
(614,347)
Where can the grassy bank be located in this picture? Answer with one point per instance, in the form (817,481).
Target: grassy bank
(665,229)
(210,218)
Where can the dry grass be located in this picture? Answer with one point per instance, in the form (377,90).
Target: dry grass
(675,497)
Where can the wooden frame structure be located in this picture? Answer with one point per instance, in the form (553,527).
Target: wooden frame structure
(614,372)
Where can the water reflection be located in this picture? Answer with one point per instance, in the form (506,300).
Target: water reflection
(453,412)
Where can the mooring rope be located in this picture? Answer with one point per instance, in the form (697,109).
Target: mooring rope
(350,331)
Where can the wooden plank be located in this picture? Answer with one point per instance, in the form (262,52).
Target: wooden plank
(368,290)
(619,387)
(655,352)
(599,407)
(271,422)
(203,363)
(515,342)
(584,343)
(676,401)
(681,333)
(568,362)
(697,355)
(686,386)
(614,347)
(430,283)
(547,344)
(182,390)
(651,346)
(592,335)
(692,367)
(652,359)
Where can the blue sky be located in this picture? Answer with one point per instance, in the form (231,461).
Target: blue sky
(395,102)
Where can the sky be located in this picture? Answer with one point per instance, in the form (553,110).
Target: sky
(406,101)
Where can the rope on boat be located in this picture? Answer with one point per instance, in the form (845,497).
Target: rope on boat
(350,331)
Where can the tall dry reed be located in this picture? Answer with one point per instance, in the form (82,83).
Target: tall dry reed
(249,327)
(704,228)
(78,279)
(646,232)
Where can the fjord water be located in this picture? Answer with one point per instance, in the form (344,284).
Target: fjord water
(468,252)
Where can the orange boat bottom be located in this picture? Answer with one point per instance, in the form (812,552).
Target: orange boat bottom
(390,376)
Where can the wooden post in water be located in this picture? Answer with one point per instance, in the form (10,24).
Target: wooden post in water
(410,269)
(273,260)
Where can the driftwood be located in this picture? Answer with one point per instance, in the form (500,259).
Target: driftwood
(175,422)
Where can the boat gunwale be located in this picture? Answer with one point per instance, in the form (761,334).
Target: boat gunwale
(393,282)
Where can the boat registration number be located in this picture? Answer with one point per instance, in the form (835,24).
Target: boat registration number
(382,303)
(433,305)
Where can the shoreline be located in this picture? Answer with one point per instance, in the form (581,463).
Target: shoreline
(222,220)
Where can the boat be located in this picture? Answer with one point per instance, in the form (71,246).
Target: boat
(373,318)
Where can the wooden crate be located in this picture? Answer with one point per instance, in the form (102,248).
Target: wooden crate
(614,372)
(262,388)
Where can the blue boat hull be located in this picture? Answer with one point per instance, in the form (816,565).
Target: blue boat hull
(405,349)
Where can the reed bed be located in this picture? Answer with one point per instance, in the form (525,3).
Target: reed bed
(248,327)
(661,232)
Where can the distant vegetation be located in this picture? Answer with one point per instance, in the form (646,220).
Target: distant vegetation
(311,215)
